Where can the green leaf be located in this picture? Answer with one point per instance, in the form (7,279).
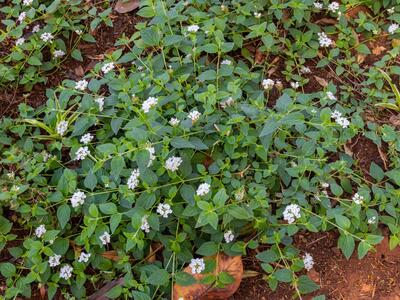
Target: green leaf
(187,192)
(362,249)
(150,36)
(108,208)
(220,197)
(115,292)
(239,212)
(114,222)
(208,249)
(76,54)
(63,214)
(283,275)
(117,165)
(90,181)
(67,182)
(53,6)
(342,221)
(159,277)
(184,279)
(7,269)
(346,244)
(93,211)
(306,285)
(267,256)
(34,61)
(376,171)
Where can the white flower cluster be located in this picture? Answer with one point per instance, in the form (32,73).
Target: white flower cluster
(308,261)
(62,127)
(226,62)
(100,103)
(324,40)
(78,198)
(82,152)
(86,138)
(318,5)
(203,189)
(107,67)
(257,14)
(84,257)
(226,103)
(20,42)
(133,180)
(339,119)
(333,7)
(27,2)
(46,37)
(54,260)
(105,238)
(58,53)
(197,265)
(174,122)
(229,236)
(193,28)
(40,231)
(21,17)
(149,103)
(194,116)
(164,209)
(295,85)
(391,10)
(172,164)
(81,85)
(152,156)
(393,28)
(66,272)
(291,213)
(330,96)
(145,224)
(305,70)
(35,28)
(357,198)
(268,84)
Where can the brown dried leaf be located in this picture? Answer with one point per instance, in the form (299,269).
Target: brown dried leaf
(100,294)
(79,71)
(353,12)
(111,255)
(322,82)
(259,57)
(42,292)
(360,58)
(231,264)
(327,21)
(378,50)
(126,6)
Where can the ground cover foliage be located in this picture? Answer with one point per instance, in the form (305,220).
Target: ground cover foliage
(197,136)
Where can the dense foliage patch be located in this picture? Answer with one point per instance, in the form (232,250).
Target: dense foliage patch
(199,137)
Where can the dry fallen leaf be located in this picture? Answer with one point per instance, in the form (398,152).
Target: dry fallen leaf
(322,82)
(100,294)
(326,21)
(112,255)
(126,6)
(259,57)
(230,264)
(353,12)
(378,50)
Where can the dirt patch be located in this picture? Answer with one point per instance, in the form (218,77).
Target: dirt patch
(377,276)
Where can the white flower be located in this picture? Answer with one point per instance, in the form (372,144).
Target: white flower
(336,114)
(105,238)
(203,189)
(20,42)
(325,185)
(27,2)
(391,10)
(194,115)
(173,163)
(54,260)
(58,53)
(318,5)
(333,7)
(291,213)
(66,272)
(268,83)
(145,224)
(62,127)
(314,111)
(357,198)
(164,209)
(305,70)
(78,31)
(149,103)
(82,153)
(174,122)
(295,84)
(100,103)
(84,257)
(15,188)
(40,231)
(86,138)
(257,15)
(393,27)
(108,67)
(46,37)
(193,28)
(81,85)
(240,193)
(226,62)
(372,220)
(133,180)
(229,236)
(21,17)
(152,157)
(308,261)
(78,198)
(343,122)
(323,40)
(35,28)
(330,96)
(226,103)
(197,265)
